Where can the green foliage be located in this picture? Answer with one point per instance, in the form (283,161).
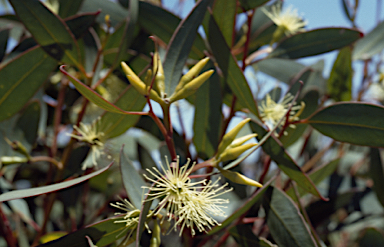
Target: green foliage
(305,161)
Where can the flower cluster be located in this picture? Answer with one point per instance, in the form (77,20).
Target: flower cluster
(271,112)
(191,204)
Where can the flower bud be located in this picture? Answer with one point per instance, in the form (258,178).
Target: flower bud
(9,160)
(191,87)
(241,140)
(195,70)
(239,178)
(230,136)
(156,238)
(233,153)
(159,78)
(139,85)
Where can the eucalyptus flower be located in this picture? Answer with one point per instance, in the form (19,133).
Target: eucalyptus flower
(271,112)
(189,203)
(90,133)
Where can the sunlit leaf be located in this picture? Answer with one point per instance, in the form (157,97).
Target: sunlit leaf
(16,194)
(226,25)
(286,224)
(315,42)
(356,123)
(340,81)
(48,29)
(180,45)
(24,74)
(232,73)
(371,44)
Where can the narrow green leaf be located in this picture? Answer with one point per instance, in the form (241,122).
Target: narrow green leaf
(69,8)
(226,25)
(377,174)
(340,81)
(4,36)
(315,42)
(132,180)
(116,13)
(79,24)
(232,73)
(355,123)
(92,96)
(206,126)
(17,194)
(24,74)
(48,29)
(256,197)
(245,237)
(372,237)
(149,17)
(28,122)
(274,148)
(251,4)
(282,69)
(115,124)
(286,224)
(181,44)
(371,44)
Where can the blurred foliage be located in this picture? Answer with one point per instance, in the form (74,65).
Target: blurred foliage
(95,93)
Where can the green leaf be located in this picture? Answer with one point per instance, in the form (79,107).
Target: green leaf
(256,197)
(17,194)
(226,25)
(92,96)
(315,42)
(149,17)
(69,8)
(286,224)
(4,36)
(371,44)
(115,124)
(29,122)
(377,174)
(251,4)
(132,180)
(116,13)
(372,237)
(24,74)
(232,73)
(79,24)
(284,70)
(246,238)
(355,123)
(181,44)
(206,126)
(340,81)
(275,149)
(48,29)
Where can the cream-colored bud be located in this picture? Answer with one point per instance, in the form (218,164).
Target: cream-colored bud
(239,178)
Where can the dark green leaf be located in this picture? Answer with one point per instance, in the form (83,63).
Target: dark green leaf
(224,13)
(115,124)
(24,74)
(206,126)
(181,44)
(340,81)
(29,122)
(282,69)
(251,4)
(132,180)
(16,194)
(256,197)
(80,23)
(315,42)
(377,174)
(116,13)
(4,36)
(356,123)
(371,44)
(246,238)
(274,148)
(286,224)
(69,8)
(232,73)
(49,30)
(372,238)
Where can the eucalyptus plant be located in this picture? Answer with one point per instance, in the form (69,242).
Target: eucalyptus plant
(124,125)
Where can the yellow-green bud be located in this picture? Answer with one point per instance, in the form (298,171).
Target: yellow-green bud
(138,84)
(9,160)
(148,77)
(230,136)
(191,87)
(156,238)
(233,153)
(194,71)
(241,140)
(159,78)
(239,178)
